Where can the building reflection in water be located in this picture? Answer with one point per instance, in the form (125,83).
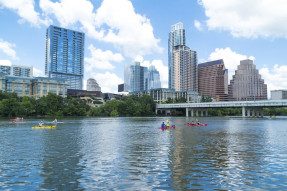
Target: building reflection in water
(219,156)
(61,156)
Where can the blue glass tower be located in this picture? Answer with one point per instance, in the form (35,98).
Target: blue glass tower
(65,56)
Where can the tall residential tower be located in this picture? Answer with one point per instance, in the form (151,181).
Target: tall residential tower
(65,56)
(176,38)
(182,62)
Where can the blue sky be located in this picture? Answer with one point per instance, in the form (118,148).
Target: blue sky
(120,31)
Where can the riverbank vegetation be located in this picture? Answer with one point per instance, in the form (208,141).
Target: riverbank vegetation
(56,106)
(51,105)
(127,106)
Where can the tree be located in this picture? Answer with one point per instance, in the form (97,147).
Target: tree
(206,99)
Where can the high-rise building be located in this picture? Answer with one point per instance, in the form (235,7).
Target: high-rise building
(139,78)
(184,69)
(247,83)
(92,85)
(182,61)
(213,80)
(65,55)
(176,38)
(153,78)
(19,71)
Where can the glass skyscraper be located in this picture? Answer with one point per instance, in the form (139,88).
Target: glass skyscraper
(65,56)
(153,78)
(139,78)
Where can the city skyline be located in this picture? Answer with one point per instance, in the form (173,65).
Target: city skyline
(139,30)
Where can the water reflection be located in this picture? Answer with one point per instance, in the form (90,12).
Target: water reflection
(60,163)
(134,154)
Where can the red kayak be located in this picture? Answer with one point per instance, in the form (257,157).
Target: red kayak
(196,124)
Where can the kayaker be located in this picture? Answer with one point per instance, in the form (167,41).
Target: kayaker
(163,126)
(55,121)
(41,123)
(167,124)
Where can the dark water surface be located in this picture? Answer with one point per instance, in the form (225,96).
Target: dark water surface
(134,154)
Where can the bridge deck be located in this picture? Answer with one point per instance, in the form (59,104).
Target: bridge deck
(261,103)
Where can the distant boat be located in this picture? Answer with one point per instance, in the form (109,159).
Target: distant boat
(44,126)
(17,120)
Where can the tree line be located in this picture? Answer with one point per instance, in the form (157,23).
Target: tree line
(55,106)
(127,106)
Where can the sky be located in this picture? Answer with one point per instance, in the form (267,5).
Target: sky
(118,32)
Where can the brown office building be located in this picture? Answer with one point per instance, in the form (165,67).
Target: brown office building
(213,80)
(247,83)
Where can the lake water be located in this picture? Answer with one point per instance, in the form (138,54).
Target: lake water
(134,154)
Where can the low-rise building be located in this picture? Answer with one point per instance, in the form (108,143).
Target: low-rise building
(278,94)
(92,98)
(14,70)
(42,86)
(164,94)
(32,87)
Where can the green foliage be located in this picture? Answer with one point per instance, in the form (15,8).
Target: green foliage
(176,100)
(50,105)
(206,99)
(224,112)
(127,106)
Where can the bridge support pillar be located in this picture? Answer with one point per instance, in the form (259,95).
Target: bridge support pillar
(261,113)
(243,112)
(201,113)
(257,113)
(196,113)
(186,112)
(206,113)
(253,113)
(168,112)
(248,112)
(192,113)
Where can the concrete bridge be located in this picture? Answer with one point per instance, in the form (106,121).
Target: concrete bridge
(249,108)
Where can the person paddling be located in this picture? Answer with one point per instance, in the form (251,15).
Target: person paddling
(163,126)
(167,124)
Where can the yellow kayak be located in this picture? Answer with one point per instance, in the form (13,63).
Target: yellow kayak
(44,127)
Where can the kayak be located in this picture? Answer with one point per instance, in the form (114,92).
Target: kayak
(44,127)
(167,128)
(196,125)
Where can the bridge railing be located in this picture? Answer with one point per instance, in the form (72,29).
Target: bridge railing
(261,103)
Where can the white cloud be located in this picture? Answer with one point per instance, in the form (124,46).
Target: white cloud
(69,13)
(8,48)
(115,22)
(5,62)
(108,81)
(37,72)
(163,70)
(198,25)
(101,59)
(231,59)
(131,32)
(275,77)
(25,9)
(245,18)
